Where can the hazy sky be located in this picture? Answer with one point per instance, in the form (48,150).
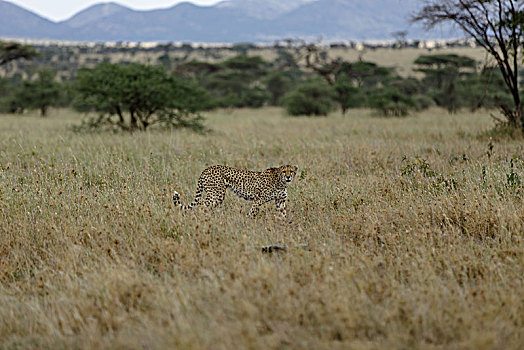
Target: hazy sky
(58,10)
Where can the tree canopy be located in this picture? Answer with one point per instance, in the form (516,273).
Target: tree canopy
(10,51)
(40,93)
(136,96)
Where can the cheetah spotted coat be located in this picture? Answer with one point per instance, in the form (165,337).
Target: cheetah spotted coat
(256,186)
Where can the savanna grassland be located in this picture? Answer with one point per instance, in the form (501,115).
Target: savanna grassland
(414,229)
(66,60)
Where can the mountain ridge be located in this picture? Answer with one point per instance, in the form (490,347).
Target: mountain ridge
(94,13)
(11,15)
(228,21)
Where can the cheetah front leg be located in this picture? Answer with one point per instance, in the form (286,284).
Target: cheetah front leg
(281,207)
(255,207)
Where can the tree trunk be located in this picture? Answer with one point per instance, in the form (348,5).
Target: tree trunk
(134,120)
(520,116)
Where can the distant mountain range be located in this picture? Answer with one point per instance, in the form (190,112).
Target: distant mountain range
(228,22)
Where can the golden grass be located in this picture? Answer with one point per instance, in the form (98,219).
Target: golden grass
(415,236)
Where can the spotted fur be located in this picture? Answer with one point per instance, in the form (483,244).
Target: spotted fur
(257,186)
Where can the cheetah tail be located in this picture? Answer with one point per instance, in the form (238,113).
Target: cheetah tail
(198,197)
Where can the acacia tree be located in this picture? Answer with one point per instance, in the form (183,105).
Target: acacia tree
(497,26)
(442,73)
(40,93)
(347,79)
(237,82)
(10,51)
(133,97)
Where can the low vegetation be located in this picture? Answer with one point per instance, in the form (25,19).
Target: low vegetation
(312,97)
(413,226)
(305,80)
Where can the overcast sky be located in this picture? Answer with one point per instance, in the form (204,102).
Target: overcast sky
(58,10)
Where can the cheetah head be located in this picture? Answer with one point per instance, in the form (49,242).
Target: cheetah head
(287,173)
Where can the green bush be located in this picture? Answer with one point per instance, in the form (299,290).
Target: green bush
(312,97)
(255,97)
(227,101)
(422,102)
(390,102)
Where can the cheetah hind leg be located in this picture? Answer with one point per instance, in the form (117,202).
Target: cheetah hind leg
(215,196)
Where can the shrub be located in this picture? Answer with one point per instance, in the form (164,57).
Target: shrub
(313,97)
(255,97)
(391,102)
(422,102)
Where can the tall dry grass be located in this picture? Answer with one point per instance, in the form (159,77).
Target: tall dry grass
(415,233)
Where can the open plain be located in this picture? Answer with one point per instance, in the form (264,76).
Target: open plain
(414,230)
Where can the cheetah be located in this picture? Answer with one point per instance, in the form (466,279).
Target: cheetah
(256,186)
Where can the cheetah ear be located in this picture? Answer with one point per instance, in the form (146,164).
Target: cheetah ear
(296,168)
